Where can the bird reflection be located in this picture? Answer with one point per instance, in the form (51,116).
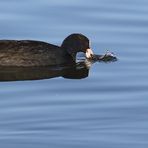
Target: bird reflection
(77,71)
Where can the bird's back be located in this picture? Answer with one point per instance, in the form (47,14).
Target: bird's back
(30,53)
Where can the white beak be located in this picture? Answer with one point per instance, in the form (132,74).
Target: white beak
(89,53)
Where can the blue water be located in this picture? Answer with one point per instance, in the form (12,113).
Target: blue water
(107,109)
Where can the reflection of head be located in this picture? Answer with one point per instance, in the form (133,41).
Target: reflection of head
(77,72)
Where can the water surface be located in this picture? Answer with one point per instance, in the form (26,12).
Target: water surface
(106,109)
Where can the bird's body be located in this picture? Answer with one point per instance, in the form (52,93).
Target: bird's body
(31,53)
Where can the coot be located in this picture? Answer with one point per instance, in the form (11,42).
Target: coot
(37,53)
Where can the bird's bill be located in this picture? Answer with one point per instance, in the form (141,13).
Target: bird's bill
(89,53)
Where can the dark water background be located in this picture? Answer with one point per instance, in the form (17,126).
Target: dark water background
(109,108)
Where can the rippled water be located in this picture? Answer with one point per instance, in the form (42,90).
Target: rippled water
(107,109)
